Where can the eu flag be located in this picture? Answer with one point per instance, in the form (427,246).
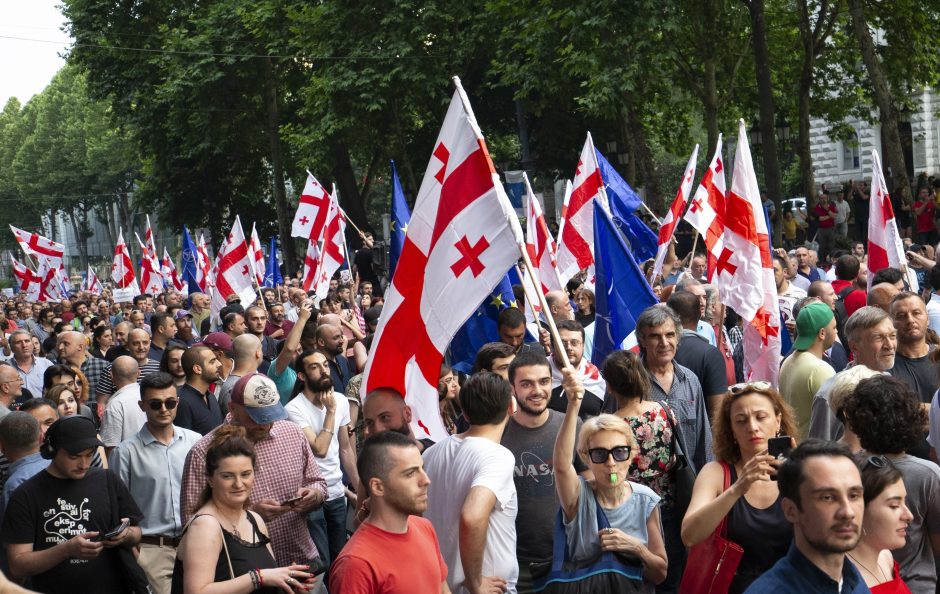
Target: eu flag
(272,272)
(623,202)
(189,262)
(480,328)
(398,226)
(643,242)
(621,292)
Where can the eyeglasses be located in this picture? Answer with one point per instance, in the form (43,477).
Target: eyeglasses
(877,462)
(169,403)
(600,455)
(749,387)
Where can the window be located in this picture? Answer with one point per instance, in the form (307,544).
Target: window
(851,159)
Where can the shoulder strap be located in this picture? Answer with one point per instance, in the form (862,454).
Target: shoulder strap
(722,529)
(228,558)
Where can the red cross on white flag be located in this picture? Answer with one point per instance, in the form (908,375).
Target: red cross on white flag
(122,269)
(170,276)
(884,242)
(744,269)
(332,254)
(38,246)
(91,283)
(257,255)
(576,239)
(235,275)
(27,280)
(151,276)
(707,212)
(668,227)
(312,210)
(463,237)
(540,244)
(204,275)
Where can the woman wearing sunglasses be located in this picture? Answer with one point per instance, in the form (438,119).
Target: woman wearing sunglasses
(748,416)
(607,445)
(884,528)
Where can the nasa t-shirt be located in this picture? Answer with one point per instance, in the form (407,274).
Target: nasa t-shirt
(535,484)
(46,510)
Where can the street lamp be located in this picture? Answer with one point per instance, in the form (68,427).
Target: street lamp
(754,135)
(783,129)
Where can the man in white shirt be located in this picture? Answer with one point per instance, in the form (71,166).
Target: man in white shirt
(324,417)
(933,306)
(122,416)
(472,501)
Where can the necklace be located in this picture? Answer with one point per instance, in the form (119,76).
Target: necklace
(234,524)
(872,573)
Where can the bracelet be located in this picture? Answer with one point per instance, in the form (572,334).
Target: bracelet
(330,431)
(253,575)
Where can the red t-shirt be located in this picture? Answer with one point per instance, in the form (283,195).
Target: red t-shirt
(375,561)
(828,210)
(925,219)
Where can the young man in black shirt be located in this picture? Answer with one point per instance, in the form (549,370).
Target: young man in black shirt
(55,523)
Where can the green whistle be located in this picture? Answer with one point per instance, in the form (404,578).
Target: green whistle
(613,478)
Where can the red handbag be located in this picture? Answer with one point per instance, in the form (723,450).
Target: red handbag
(712,563)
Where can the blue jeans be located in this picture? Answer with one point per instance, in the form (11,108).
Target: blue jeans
(327,526)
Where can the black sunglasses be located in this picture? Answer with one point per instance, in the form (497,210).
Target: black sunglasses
(170,404)
(600,455)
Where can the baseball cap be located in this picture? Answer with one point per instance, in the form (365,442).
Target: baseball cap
(182,313)
(258,394)
(812,318)
(74,434)
(220,341)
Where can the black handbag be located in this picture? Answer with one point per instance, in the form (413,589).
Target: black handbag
(607,575)
(683,475)
(135,580)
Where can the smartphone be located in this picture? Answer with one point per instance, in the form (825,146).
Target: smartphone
(111,533)
(291,501)
(779,446)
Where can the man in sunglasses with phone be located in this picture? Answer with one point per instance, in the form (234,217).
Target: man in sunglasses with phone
(151,465)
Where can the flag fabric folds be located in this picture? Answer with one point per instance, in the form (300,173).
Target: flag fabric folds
(641,238)
(205,275)
(462,238)
(623,202)
(189,264)
(170,277)
(706,212)
(333,249)
(235,275)
(312,210)
(884,242)
(311,266)
(668,228)
(481,327)
(257,256)
(539,243)
(27,280)
(398,225)
(151,277)
(37,246)
(575,248)
(744,269)
(272,273)
(621,292)
(91,282)
(122,269)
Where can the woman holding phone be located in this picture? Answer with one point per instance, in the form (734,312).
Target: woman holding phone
(225,548)
(749,416)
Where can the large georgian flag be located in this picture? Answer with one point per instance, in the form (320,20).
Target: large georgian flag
(463,237)
(312,210)
(36,245)
(576,243)
(235,273)
(122,269)
(744,270)
(707,210)
(884,242)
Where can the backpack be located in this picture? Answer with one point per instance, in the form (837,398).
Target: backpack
(841,313)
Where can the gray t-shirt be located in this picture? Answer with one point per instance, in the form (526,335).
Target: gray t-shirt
(225,392)
(533,450)
(584,544)
(922,481)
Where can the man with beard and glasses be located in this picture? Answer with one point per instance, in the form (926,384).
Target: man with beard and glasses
(822,496)
(287,484)
(323,416)
(393,473)
(530,436)
(199,409)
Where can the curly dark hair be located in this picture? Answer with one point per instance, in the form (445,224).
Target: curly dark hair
(886,415)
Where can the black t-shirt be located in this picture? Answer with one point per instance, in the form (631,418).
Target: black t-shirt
(705,361)
(363,262)
(46,510)
(918,373)
(196,413)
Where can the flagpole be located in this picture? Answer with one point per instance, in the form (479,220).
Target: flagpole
(552,328)
(655,218)
(694,243)
(528,300)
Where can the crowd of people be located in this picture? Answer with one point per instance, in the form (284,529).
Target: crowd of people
(151,445)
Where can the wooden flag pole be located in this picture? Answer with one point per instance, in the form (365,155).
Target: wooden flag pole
(655,218)
(552,328)
(528,298)
(694,243)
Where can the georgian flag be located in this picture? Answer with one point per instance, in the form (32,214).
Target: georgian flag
(27,280)
(744,269)
(91,283)
(333,253)
(170,276)
(884,242)
(122,269)
(463,237)
(668,228)
(311,265)
(539,243)
(235,274)
(151,278)
(38,246)
(151,245)
(312,210)
(576,243)
(707,211)
(257,255)
(203,272)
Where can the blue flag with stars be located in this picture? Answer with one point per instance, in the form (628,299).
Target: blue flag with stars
(621,292)
(398,226)
(480,328)
(623,202)
(189,261)
(272,272)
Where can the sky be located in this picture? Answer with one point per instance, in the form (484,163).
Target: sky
(28,66)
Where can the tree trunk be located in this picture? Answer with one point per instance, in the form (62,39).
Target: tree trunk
(345,178)
(807,179)
(277,164)
(644,156)
(80,239)
(765,100)
(710,104)
(884,100)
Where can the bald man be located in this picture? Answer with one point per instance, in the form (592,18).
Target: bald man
(11,388)
(881,295)
(248,354)
(123,417)
(385,410)
(73,350)
(138,344)
(331,341)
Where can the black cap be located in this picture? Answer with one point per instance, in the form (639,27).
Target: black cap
(73,434)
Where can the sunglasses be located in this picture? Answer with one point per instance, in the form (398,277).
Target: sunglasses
(749,387)
(600,455)
(169,403)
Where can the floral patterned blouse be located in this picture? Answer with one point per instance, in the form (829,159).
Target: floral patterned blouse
(652,465)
